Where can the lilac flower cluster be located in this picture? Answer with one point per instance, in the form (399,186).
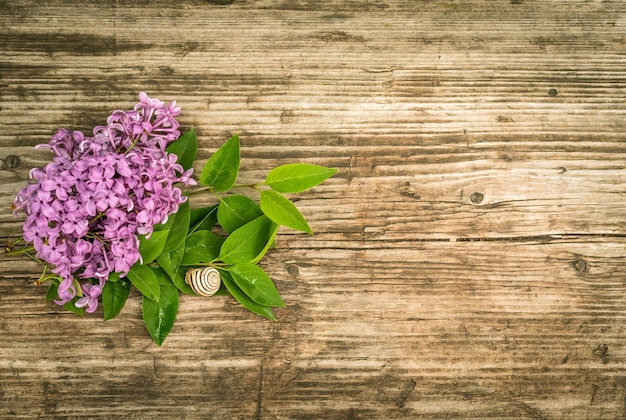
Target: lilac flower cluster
(87,207)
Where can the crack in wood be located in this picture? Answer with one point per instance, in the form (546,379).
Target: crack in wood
(259,392)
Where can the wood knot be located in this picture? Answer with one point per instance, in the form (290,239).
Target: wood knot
(12,161)
(405,393)
(552,92)
(293,270)
(580,265)
(601,351)
(287,116)
(340,36)
(477,197)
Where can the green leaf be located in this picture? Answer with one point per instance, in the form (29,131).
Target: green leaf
(179,228)
(220,171)
(177,255)
(270,244)
(185,147)
(69,306)
(79,290)
(114,277)
(201,247)
(165,262)
(114,295)
(242,298)
(235,211)
(52,292)
(165,226)
(162,277)
(248,242)
(160,316)
(152,248)
(255,283)
(72,308)
(296,177)
(144,279)
(179,281)
(282,211)
(169,261)
(203,218)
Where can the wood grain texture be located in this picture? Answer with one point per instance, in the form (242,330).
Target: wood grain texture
(469,256)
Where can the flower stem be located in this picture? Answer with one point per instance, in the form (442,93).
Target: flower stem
(253,186)
(213,264)
(10,251)
(96,217)
(133,144)
(45,277)
(211,190)
(198,191)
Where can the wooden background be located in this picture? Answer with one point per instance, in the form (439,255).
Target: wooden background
(470,254)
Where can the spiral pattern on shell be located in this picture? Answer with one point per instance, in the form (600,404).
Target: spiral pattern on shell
(203,281)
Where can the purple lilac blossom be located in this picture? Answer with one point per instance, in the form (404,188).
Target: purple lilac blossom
(86,208)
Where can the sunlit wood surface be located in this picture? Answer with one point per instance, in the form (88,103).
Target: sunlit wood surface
(470,254)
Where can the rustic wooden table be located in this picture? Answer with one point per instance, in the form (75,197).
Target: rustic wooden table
(470,254)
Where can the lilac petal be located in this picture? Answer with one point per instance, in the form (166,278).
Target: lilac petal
(82,302)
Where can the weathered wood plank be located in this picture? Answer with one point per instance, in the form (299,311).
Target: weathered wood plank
(469,256)
(481,328)
(442,192)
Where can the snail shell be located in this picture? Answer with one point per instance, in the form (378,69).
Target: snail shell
(203,281)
